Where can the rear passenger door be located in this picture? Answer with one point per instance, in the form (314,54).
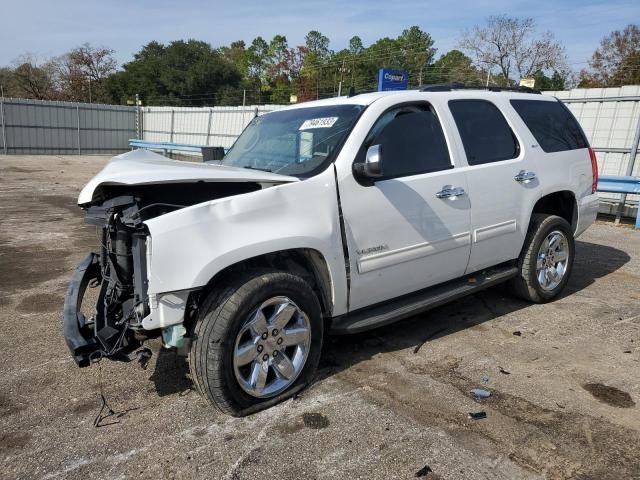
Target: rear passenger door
(501,179)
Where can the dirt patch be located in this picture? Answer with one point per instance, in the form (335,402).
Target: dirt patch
(315,421)
(62,201)
(8,407)
(14,441)
(29,266)
(21,170)
(609,395)
(39,303)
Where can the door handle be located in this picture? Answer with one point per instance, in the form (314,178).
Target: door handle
(450,192)
(524,176)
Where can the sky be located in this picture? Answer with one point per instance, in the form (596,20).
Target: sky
(52,27)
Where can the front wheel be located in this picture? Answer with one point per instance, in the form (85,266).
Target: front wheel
(546,260)
(256,342)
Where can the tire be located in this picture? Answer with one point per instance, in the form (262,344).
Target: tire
(532,283)
(228,327)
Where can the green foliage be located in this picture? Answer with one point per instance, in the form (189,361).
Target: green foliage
(179,73)
(616,61)
(454,66)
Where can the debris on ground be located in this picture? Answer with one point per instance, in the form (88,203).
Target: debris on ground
(517,333)
(424,471)
(485,379)
(502,370)
(477,415)
(431,335)
(480,393)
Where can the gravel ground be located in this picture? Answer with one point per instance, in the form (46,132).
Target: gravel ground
(564,376)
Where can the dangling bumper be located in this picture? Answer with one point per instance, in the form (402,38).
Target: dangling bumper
(78,335)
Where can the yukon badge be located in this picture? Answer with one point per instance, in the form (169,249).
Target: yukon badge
(377,248)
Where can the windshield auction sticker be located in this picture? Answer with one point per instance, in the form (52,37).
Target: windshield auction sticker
(325,122)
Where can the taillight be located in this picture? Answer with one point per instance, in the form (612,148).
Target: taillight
(594,170)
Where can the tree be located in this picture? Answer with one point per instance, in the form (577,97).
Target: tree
(616,61)
(416,50)
(318,45)
(454,66)
(32,80)
(514,46)
(355,46)
(180,73)
(258,60)
(81,73)
(238,55)
(557,81)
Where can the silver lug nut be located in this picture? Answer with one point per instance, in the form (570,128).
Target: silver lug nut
(274,332)
(260,348)
(275,353)
(265,357)
(265,335)
(280,341)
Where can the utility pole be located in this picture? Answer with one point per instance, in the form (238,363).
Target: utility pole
(2,119)
(343,70)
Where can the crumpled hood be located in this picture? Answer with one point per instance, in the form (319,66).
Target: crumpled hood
(142,167)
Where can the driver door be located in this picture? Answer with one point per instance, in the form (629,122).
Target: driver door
(404,233)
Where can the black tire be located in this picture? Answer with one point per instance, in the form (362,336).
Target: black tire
(526,284)
(221,316)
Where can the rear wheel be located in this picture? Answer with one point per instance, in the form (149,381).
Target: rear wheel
(256,342)
(546,260)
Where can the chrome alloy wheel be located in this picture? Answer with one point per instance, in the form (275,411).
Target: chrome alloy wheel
(271,348)
(552,260)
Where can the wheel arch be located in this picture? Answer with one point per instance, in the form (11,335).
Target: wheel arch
(308,263)
(562,203)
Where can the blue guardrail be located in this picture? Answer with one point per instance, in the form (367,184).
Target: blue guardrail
(629,185)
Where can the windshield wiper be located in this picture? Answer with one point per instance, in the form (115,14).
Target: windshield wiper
(256,168)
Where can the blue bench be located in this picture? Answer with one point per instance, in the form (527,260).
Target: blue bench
(624,185)
(208,152)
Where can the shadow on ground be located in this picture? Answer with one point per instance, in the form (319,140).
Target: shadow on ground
(593,261)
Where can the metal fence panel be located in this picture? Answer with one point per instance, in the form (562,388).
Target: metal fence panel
(43,127)
(610,118)
(216,126)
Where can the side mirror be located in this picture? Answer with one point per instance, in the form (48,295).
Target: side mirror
(372,166)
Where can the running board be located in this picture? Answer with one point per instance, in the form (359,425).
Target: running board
(409,305)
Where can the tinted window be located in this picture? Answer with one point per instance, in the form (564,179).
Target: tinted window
(412,142)
(486,136)
(552,125)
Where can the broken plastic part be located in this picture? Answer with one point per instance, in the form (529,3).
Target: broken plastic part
(477,415)
(424,471)
(480,393)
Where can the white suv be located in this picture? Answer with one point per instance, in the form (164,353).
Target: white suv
(337,215)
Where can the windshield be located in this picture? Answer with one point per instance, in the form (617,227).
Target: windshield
(293,142)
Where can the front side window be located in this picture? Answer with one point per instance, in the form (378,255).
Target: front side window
(485,133)
(296,142)
(412,142)
(552,124)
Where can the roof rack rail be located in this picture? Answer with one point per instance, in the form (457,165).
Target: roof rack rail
(448,87)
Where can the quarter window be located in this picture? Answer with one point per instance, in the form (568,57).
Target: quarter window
(485,134)
(552,124)
(412,142)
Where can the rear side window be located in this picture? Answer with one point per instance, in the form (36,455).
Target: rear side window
(485,134)
(412,142)
(552,125)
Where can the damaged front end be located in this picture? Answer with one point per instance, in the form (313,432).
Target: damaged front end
(111,306)
(119,271)
(120,318)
